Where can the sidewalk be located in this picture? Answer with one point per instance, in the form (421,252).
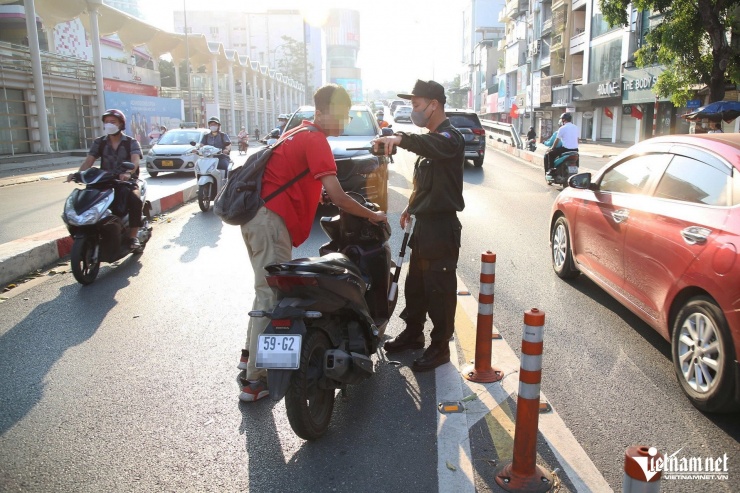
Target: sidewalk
(600,150)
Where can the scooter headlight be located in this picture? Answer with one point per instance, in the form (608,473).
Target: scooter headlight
(91,215)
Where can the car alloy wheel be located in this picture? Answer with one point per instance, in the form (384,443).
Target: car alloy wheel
(562,254)
(703,355)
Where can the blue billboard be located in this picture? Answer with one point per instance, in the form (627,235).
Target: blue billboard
(353,87)
(143,112)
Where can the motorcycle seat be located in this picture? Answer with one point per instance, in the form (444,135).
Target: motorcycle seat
(331,263)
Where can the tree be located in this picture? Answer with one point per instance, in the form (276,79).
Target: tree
(293,61)
(692,40)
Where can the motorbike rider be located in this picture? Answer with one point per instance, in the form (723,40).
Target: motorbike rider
(431,285)
(218,139)
(113,149)
(286,220)
(531,134)
(379,115)
(566,140)
(243,136)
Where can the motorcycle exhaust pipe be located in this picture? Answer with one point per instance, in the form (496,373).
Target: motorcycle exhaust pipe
(347,367)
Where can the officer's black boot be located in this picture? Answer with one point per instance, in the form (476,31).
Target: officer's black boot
(437,354)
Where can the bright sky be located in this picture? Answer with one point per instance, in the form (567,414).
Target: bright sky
(400,41)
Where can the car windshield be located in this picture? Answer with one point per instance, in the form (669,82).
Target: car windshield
(464,121)
(361,123)
(179,137)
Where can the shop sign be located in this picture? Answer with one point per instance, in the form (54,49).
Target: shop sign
(587,115)
(599,90)
(627,109)
(545,90)
(693,103)
(637,85)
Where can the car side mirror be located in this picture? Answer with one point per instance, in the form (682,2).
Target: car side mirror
(386,132)
(580,181)
(192,142)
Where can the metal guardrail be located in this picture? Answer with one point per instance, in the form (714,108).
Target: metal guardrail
(504,132)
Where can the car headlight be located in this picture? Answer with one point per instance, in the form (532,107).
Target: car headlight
(151,153)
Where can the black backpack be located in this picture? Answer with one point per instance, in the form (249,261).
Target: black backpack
(238,202)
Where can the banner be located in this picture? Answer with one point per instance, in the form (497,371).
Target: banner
(608,113)
(144,111)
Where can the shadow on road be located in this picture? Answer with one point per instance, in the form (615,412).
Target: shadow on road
(34,345)
(202,230)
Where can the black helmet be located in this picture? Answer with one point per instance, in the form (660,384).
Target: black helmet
(214,120)
(566,117)
(118,114)
(531,128)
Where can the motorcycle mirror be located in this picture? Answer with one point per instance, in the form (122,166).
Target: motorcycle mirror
(386,132)
(192,142)
(128,166)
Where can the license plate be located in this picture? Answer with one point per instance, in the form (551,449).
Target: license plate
(572,170)
(278,352)
(168,163)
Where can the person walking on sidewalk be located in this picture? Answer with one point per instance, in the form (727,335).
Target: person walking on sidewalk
(286,220)
(113,149)
(431,284)
(566,140)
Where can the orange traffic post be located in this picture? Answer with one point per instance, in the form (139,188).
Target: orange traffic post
(482,371)
(640,472)
(523,473)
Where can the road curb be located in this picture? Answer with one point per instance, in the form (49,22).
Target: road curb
(25,255)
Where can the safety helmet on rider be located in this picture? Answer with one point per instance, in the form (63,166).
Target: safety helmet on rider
(116,113)
(566,117)
(214,120)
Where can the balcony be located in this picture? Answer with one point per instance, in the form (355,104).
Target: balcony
(514,7)
(558,4)
(501,44)
(557,42)
(502,16)
(546,26)
(578,42)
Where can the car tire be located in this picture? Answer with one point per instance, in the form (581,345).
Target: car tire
(153,174)
(478,162)
(561,253)
(703,356)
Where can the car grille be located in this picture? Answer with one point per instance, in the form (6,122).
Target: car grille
(347,168)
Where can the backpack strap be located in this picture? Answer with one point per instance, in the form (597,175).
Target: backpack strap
(300,175)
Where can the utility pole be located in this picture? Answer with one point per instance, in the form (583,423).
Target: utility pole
(305,64)
(187,62)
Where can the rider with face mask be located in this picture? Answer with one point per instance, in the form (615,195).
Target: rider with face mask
(218,139)
(113,149)
(436,199)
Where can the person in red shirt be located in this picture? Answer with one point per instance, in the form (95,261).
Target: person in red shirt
(285,221)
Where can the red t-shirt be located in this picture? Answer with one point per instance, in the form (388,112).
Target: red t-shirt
(298,203)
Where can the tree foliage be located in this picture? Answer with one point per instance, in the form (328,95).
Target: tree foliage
(290,58)
(692,40)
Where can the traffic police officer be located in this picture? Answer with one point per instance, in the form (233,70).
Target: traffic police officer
(435,243)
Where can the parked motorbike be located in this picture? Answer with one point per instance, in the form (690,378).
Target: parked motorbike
(565,166)
(532,145)
(210,178)
(330,317)
(272,137)
(99,234)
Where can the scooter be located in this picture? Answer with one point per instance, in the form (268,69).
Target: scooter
(99,234)
(271,138)
(565,166)
(243,145)
(210,178)
(532,145)
(330,318)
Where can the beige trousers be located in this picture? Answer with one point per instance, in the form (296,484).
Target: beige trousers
(268,241)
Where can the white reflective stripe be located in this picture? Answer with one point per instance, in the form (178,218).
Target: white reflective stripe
(531,362)
(486,288)
(488,268)
(485,309)
(533,333)
(529,390)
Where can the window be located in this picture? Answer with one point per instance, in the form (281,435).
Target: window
(690,180)
(633,175)
(605,61)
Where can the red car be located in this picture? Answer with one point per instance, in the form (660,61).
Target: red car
(658,228)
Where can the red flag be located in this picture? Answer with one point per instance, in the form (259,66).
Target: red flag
(608,112)
(514,111)
(636,113)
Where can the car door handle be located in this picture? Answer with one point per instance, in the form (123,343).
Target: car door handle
(620,216)
(695,234)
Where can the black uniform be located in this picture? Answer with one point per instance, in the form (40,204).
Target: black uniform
(431,284)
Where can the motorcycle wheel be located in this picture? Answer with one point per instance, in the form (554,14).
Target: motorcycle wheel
(204,197)
(84,267)
(309,407)
(153,174)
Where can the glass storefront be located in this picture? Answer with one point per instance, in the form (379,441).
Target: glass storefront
(14,137)
(605,61)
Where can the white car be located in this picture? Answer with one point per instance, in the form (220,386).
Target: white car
(170,153)
(403,113)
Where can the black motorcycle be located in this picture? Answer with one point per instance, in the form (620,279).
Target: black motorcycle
(99,224)
(331,315)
